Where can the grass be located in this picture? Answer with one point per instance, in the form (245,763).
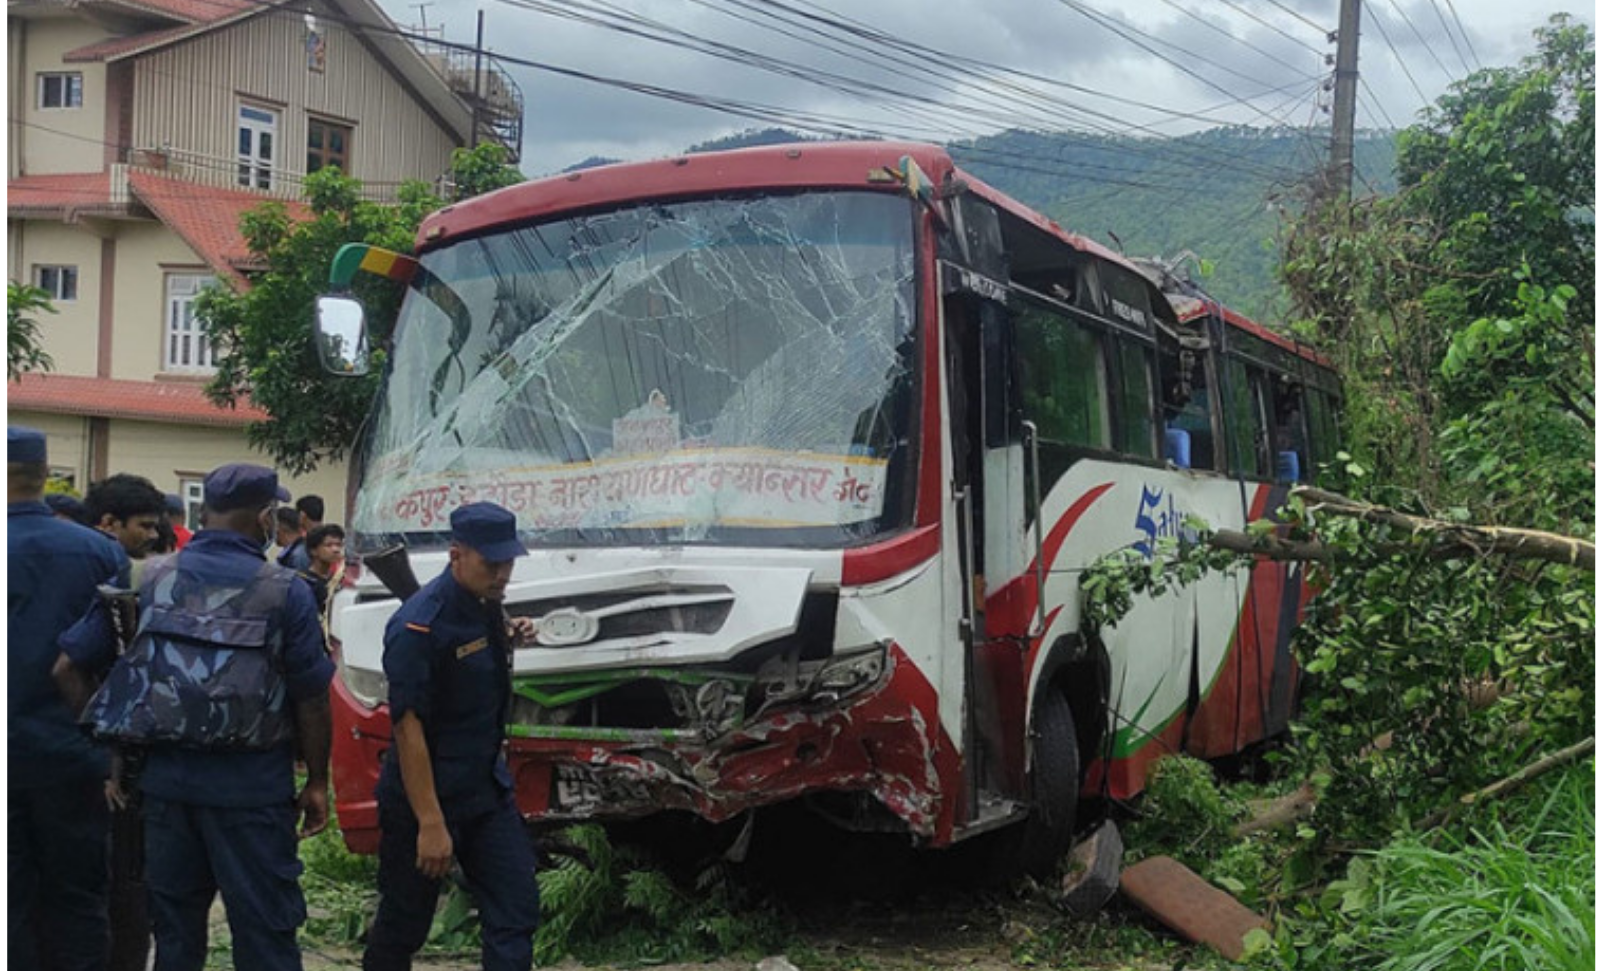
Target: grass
(1519,893)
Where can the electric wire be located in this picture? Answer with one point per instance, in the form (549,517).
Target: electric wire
(1423,41)
(1229,34)
(1446,26)
(1122,31)
(1368,89)
(1457,18)
(931,59)
(1391,44)
(1319,28)
(1271,26)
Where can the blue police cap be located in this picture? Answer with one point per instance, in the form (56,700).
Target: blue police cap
(241,486)
(489,530)
(63,504)
(24,444)
(173,504)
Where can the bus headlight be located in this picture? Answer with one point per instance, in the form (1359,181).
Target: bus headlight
(368,687)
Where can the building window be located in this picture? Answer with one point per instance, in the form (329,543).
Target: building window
(328,144)
(190,490)
(61,90)
(186,347)
(259,132)
(60,282)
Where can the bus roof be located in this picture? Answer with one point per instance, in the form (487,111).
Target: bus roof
(799,165)
(803,165)
(1194,308)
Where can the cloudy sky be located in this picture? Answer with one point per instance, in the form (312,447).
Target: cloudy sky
(942,69)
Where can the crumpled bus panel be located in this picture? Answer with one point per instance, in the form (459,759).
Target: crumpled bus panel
(887,745)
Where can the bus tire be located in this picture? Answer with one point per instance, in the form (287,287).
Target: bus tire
(1055,784)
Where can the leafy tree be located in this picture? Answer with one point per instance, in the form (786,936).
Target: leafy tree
(23,346)
(1461,309)
(264,335)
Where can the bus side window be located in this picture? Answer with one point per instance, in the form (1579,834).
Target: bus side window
(1244,400)
(1324,436)
(1063,386)
(1289,428)
(1187,403)
(1135,418)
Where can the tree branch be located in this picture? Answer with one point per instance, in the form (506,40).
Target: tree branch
(1511,782)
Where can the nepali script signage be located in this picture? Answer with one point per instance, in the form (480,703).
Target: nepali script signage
(747,487)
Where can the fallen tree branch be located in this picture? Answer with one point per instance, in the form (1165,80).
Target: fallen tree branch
(1277,813)
(1507,541)
(1511,782)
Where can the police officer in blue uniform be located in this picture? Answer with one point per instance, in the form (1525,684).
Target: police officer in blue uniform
(445,790)
(55,814)
(226,819)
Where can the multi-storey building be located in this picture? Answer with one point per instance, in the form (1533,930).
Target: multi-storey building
(140,131)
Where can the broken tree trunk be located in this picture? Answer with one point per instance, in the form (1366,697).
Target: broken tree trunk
(1450,540)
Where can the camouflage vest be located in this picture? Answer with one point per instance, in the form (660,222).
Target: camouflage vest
(202,670)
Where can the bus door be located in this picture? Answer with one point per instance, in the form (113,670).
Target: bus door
(987,490)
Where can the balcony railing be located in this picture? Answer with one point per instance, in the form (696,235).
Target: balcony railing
(234,173)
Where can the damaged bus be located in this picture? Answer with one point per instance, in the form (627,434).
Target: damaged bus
(809,445)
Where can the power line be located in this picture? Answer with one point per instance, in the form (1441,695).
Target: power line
(1463,30)
(1270,26)
(1377,101)
(930,59)
(1446,26)
(1398,59)
(1424,41)
(857,88)
(1120,32)
(1229,34)
(1319,28)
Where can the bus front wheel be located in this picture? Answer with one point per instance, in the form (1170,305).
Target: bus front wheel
(1055,783)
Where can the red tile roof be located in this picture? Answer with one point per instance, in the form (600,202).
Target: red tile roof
(179,402)
(207,218)
(114,47)
(193,11)
(79,190)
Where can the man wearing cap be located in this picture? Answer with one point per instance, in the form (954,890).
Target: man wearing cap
(225,819)
(444,790)
(55,815)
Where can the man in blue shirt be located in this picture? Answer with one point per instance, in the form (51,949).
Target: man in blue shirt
(444,790)
(55,814)
(225,820)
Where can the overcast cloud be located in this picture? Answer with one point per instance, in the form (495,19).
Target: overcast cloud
(1254,62)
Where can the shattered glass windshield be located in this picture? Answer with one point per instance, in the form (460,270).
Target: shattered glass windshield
(731,371)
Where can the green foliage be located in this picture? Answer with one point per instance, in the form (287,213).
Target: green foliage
(1511,888)
(1184,811)
(1460,309)
(622,909)
(340,888)
(24,352)
(481,169)
(264,335)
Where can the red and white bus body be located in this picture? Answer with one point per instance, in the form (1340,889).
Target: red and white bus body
(703,651)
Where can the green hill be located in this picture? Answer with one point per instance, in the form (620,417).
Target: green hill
(1217,193)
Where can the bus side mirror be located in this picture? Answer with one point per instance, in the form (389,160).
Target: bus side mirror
(341,337)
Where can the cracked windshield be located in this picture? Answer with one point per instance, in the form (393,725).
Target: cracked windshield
(721,371)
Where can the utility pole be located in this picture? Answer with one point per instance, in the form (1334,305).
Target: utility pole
(479,46)
(1342,143)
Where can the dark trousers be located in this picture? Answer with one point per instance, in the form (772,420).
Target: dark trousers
(500,866)
(249,855)
(56,876)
